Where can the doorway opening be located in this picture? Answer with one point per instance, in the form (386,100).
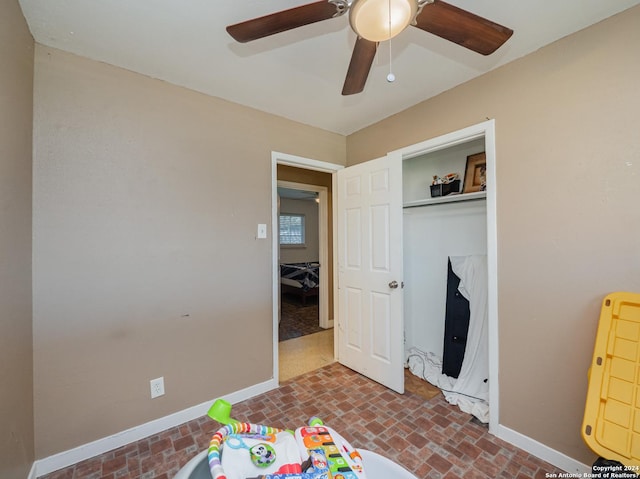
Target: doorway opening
(299,260)
(303,269)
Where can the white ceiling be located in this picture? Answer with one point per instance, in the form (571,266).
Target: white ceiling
(296,74)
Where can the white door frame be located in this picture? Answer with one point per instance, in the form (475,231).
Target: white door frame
(485,129)
(323,245)
(278,158)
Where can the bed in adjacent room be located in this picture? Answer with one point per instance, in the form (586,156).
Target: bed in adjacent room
(300,279)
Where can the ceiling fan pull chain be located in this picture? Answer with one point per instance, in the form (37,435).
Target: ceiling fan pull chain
(390,77)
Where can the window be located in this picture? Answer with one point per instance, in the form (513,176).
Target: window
(291,229)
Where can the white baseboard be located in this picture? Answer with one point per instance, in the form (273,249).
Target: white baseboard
(556,458)
(32,472)
(95,448)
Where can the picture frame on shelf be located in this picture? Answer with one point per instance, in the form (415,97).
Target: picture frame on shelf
(475,173)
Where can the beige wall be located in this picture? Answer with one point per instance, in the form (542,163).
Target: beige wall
(16,364)
(568,189)
(147,197)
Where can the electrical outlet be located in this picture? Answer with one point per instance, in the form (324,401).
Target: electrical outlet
(157,387)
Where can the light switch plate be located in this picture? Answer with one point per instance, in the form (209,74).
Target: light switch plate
(262,231)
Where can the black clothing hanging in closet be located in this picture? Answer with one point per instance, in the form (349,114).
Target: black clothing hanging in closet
(456,326)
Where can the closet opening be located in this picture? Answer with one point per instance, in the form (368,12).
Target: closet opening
(449,250)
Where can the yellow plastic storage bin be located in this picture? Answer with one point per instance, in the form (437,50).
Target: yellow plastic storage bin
(611,426)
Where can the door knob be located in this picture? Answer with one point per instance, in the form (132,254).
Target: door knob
(393,284)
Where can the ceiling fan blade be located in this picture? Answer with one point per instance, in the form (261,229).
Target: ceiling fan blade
(359,66)
(462,27)
(282,21)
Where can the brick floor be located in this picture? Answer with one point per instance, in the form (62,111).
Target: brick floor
(428,437)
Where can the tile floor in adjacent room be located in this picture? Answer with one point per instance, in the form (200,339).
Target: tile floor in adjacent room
(428,437)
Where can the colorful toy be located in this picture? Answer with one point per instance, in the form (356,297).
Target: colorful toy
(262,454)
(329,451)
(250,451)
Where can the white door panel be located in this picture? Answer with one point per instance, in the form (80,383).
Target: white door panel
(369,249)
(353,337)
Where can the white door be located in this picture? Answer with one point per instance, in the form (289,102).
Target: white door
(370,322)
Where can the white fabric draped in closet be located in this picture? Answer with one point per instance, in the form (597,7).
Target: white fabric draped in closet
(470,391)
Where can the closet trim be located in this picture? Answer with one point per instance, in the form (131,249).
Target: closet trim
(485,129)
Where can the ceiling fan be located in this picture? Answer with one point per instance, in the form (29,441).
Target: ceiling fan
(379,20)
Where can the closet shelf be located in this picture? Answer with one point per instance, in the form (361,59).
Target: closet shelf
(446,199)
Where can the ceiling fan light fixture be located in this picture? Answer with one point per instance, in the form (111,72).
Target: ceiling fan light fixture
(370,18)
